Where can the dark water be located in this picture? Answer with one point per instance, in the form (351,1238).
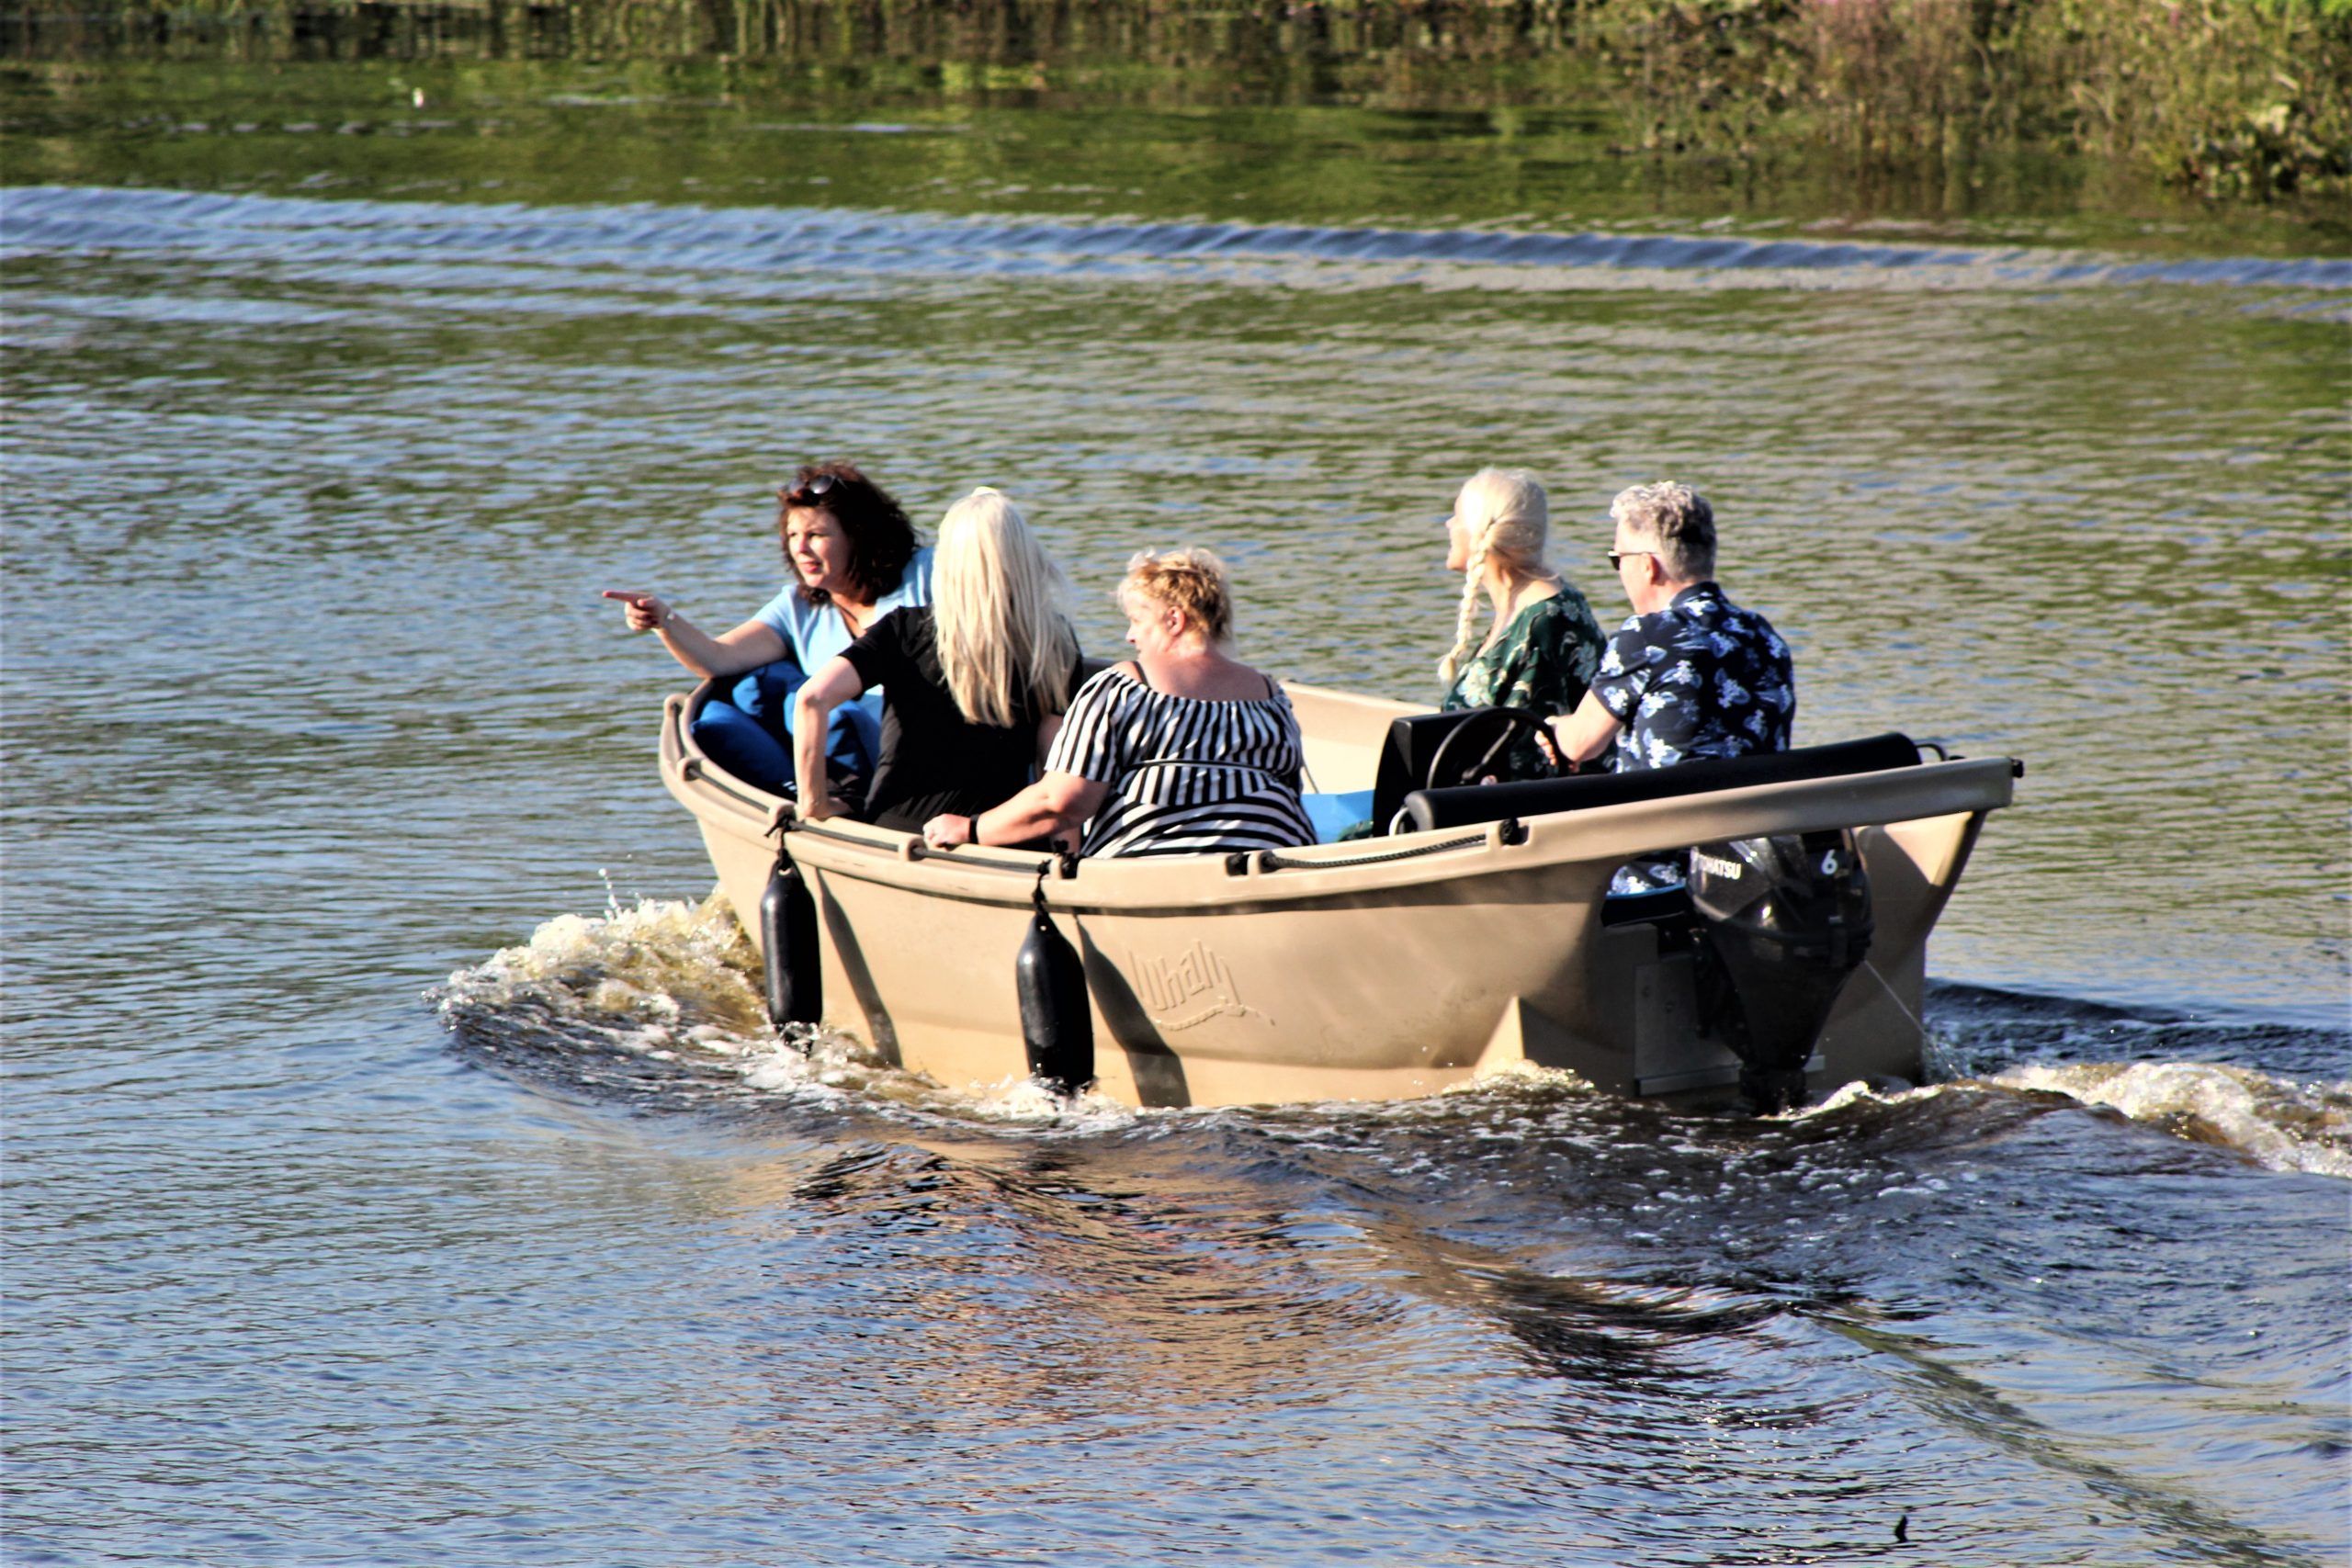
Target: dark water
(321,1253)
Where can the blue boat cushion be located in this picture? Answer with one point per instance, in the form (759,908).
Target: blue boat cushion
(1427,810)
(1335,814)
(744,725)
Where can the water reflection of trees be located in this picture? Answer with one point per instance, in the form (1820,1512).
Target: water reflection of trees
(2232,99)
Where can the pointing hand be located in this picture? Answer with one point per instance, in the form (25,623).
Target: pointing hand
(645,612)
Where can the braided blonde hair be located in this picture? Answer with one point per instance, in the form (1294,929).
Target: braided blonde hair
(1507,515)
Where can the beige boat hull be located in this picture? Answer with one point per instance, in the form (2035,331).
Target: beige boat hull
(1361,971)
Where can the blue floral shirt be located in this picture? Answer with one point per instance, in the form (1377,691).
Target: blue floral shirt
(1700,678)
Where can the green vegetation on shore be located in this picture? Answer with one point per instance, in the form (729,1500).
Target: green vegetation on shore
(2238,99)
(2234,97)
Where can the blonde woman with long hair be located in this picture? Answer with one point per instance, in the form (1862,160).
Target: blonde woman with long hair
(974,684)
(1541,645)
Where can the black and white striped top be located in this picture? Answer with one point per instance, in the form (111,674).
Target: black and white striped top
(1187,775)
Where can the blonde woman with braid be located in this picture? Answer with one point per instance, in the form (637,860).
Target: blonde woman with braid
(1542,646)
(974,684)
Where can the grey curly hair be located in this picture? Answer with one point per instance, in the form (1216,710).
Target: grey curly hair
(1675,518)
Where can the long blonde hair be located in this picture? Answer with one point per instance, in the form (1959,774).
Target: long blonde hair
(994,601)
(1507,515)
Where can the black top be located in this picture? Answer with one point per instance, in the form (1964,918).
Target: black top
(933,759)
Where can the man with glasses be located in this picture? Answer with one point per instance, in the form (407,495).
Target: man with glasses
(1691,674)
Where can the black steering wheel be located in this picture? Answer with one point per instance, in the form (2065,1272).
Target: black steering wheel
(1494,729)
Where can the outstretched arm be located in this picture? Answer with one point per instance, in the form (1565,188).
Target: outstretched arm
(748,647)
(836,682)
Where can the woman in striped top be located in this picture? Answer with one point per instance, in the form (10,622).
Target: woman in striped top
(1184,750)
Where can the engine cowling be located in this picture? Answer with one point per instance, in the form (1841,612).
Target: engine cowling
(1782,921)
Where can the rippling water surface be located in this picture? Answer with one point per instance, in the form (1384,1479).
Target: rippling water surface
(325,1253)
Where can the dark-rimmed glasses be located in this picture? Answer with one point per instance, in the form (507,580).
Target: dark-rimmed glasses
(1619,557)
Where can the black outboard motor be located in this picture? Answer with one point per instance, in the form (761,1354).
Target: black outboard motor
(1782,921)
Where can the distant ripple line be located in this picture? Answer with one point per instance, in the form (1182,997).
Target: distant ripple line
(46,220)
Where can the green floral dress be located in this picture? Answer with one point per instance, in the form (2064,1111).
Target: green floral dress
(1542,663)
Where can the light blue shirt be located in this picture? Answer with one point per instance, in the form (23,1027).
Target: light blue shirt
(816,632)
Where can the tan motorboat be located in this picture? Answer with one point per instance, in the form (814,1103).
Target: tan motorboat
(1475,937)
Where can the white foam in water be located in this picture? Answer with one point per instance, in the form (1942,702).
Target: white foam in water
(668,980)
(1847,1094)
(1028,1102)
(2284,1126)
(655,977)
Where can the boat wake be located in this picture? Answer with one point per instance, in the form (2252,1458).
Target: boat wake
(2277,1092)
(660,1003)
(654,998)
(2284,1126)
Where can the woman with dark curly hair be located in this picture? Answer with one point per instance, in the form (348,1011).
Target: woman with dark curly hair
(854,560)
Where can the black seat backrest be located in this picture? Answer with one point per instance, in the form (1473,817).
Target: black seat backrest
(1433,808)
(1405,759)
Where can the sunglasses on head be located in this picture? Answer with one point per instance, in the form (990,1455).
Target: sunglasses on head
(809,490)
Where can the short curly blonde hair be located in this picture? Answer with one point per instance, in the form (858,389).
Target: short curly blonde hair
(1192,579)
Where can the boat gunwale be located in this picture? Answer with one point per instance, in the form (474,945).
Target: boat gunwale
(1314,873)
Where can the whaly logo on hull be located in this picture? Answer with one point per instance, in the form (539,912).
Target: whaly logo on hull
(1164,986)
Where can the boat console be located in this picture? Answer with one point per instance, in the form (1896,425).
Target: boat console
(1434,750)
